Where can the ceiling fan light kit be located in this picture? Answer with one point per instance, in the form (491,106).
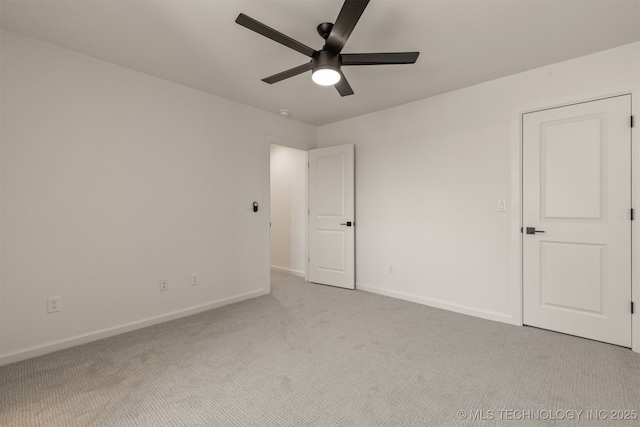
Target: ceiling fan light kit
(325,76)
(325,64)
(326,68)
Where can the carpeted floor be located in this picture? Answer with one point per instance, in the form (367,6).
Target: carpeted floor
(311,355)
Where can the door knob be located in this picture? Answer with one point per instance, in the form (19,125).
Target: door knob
(532,230)
(348,223)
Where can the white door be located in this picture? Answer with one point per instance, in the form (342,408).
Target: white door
(331,216)
(577,219)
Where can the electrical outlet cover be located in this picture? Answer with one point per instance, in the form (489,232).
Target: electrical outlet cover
(54,304)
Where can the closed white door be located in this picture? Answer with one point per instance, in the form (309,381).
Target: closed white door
(577,219)
(331,216)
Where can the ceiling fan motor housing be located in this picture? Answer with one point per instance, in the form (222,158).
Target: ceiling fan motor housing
(325,59)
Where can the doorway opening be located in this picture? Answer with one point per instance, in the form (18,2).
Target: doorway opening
(288,195)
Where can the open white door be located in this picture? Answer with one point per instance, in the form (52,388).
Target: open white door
(331,216)
(577,219)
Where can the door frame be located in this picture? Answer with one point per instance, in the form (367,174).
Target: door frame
(516,252)
(290,143)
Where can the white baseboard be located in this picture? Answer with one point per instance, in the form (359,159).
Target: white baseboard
(484,314)
(50,347)
(288,270)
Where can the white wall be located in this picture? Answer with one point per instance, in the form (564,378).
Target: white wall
(288,209)
(428,178)
(112,180)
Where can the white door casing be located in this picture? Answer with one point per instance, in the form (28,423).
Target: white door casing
(331,216)
(577,189)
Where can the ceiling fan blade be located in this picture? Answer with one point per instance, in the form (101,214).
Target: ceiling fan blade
(274,35)
(343,86)
(379,58)
(289,73)
(345,23)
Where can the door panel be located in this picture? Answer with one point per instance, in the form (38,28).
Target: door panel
(563,265)
(331,208)
(330,189)
(573,168)
(331,250)
(577,190)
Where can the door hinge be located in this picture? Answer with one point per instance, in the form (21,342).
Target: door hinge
(632,307)
(631,121)
(521,230)
(632,215)
(309,212)
(308,259)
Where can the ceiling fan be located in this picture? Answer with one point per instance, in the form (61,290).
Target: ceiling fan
(326,63)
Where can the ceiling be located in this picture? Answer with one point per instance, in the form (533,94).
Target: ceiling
(198,44)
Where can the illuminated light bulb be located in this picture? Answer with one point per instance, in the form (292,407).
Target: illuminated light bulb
(325,76)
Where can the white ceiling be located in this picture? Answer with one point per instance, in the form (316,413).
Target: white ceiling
(198,44)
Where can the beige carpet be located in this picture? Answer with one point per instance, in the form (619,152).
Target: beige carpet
(311,355)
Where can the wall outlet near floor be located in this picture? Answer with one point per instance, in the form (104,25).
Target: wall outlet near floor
(194,279)
(54,304)
(391,269)
(164,284)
